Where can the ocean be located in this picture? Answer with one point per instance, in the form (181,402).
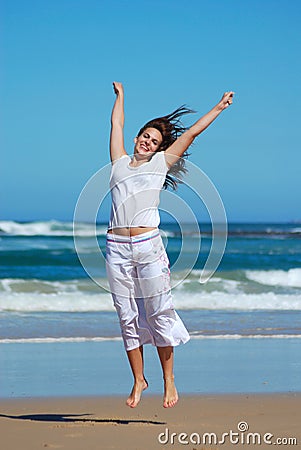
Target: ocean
(47,296)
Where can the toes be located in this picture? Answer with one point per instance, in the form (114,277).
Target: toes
(170,401)
(135,395)
(132,403)
(169,404)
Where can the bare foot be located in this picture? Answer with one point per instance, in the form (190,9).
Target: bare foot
(135,395)
(170,392)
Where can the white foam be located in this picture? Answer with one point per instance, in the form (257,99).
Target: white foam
(291,278)
(295,230)
(36,286)
(219,293)
(52,340)
(50,228)
(221,284)
(76,301)
(65,302)
(247,336)
(237,301)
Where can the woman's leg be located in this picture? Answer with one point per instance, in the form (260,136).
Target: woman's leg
(135,357)
(166,327)
(166,356)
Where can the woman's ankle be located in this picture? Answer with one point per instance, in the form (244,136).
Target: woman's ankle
(139,379)
(169,377)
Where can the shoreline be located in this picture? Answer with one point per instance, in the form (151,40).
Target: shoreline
(88,369)
(146,396)
(107,423)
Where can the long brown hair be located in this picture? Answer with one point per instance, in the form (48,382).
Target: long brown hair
(171,127)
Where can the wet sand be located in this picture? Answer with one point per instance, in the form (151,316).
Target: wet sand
(94,423)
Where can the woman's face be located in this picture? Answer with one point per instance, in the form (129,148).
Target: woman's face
(148,142)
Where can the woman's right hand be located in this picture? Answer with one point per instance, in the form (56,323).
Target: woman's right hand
(118,88)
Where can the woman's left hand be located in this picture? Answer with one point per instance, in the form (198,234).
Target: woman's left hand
(226,100)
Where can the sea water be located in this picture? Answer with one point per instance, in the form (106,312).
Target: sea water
(46,294)
(59,333)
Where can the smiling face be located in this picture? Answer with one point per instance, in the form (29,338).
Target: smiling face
(148,142)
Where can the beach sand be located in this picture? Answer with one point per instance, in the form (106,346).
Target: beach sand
(79,423)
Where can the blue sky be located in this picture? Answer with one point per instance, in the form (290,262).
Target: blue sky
(59,59)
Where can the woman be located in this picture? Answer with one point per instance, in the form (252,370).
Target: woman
(137,264)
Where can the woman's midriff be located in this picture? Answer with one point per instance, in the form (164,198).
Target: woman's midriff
(131,231)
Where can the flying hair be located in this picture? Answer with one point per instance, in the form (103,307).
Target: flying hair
(171,127)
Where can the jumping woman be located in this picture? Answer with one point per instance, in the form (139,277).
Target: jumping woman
(136,260)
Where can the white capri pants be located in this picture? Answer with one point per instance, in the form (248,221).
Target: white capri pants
(139,279)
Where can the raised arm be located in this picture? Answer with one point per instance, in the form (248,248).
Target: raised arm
(176,150)
(117,124)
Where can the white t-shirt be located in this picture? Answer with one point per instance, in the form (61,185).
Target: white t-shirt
(135,192)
